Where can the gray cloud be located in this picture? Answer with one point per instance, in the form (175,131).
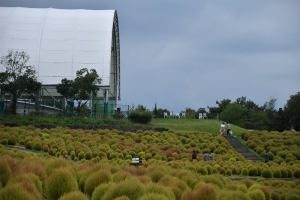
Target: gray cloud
(182,54)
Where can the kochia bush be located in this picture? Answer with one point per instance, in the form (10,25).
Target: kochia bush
(60,182)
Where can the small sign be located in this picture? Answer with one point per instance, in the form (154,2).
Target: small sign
(135,160)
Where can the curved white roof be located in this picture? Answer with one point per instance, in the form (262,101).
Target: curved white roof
(60,41)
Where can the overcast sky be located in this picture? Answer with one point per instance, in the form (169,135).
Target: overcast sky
(185,53)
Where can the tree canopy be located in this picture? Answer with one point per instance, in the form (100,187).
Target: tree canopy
(18,78)
(83,87)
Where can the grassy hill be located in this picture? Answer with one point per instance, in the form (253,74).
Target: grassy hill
(205,125)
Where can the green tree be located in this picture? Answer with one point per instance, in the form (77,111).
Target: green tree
(234,113)
(190,113)
(155,111)
(269,109)
(292,111)
(83,87)
(18,78)
(222,104)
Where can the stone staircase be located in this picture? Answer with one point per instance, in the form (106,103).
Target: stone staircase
(239,147)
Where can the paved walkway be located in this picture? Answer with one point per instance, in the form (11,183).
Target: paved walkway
(239,147)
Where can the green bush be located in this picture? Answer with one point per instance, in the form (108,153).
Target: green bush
(153,196)
(292,197)
(131,188)
(4,141)
(11,141)
(275,196)
(96,179)
(81,155)
(88,155)
(256,194)
(228,172)
(159,189)
(253,171)
(207,192)
(245,172)
(100,191)
(37,146)
(74,195)
(202,170)
(297,173)
(29,145)
(15,191)
(59,183)
(138,116)
(5,173)
(277,173)
(237,195)
(267,173)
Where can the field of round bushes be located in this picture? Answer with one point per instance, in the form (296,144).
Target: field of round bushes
(68,164)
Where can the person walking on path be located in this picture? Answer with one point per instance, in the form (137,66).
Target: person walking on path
(194,155)
(222,129)
(212,156)
(228,129)
(267,157)
(205,156)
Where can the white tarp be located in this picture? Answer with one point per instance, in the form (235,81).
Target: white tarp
(59,41)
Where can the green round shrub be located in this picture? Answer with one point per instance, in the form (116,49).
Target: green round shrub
(284,172)
(245,172)
(275,196)
(11,141)
(256,194)
(81,155)
(290,173)
(267,173)
(277,173)
(228,172)
(100,190)
(207,192)
(51,151)
(5,173)
(74,195)
(237,195)
(292,197)
(59,183)
(15,191)
(88,155)
(131,188)
(139,116)
(202,170)
(4,141)
(45,148)
(153,196)
(296,173)
(209,169)
(29,145)
(37,146)
(95,179)
(253,171)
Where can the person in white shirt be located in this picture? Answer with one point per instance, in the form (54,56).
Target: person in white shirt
(222,129)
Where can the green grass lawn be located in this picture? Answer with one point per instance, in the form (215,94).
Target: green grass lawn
(203,125)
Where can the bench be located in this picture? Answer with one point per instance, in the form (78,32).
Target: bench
(136,162)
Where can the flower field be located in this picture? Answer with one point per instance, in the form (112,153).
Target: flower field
(67,164)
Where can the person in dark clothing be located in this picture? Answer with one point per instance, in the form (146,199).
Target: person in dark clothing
(267,157)
(194,155)
(228,129)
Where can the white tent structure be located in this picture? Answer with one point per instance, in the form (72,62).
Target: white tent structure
(60,42)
